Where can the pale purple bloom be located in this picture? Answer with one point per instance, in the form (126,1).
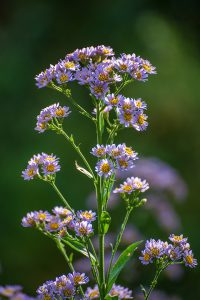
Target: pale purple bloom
(177,239)
(50,167)
(63,76)
(173,252)
(54,224)
(113,100)
(127,118)
(124,163)
(189,259)
(29,220)
(83,228)
(99,151)
(146,257)
(140,123)
(78,278)
(61,211)
(84,76)
(43,79)
(120,292)
(99,89)
(87,215)
(104,168)
(9,290)
(42,216)
(30,172)
(92,293)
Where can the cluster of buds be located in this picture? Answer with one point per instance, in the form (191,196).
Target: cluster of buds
(113,157)
(43,166)
(60,221)
(164,253)
(62,287)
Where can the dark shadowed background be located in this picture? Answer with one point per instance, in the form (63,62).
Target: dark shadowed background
(34,34)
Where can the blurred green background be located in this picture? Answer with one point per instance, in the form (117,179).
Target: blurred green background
(34,34)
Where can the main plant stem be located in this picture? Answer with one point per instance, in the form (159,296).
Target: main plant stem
(100,209)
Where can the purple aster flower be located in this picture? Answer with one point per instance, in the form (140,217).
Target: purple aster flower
(139,104)
(69,221)
(50,167)
(127,118)
(124,163)
(124,64)
(42,216)
(104,51)
(155,248)
(177,239)
(69,65)
(68,291)
(99,151)
(83,228)
(140,123)
(60,283)
(55,224)
(147,66)
(84,76)
(62,212)
(120,292)
(104,168)
(139,74)
(78,278)
(113,100)
(43,79)
(29,220)
(99,89)
(132,184)
(127,104)
(146,257)
(115,151)
(63,76)
(46,290)
(174,253)
(9,290)
(92,293)
(87,215)
(30,172)
(130,153)
(189,259)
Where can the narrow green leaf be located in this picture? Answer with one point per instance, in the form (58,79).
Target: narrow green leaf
(120,263)
(78,246)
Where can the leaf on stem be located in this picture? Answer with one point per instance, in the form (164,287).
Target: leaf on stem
(120,263)
(78,246)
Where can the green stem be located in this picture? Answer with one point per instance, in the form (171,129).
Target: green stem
(119,237)
(71,141)
(154,283)
(93,266)
(68,95)
(61,196)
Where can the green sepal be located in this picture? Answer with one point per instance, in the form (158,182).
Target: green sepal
(120,263)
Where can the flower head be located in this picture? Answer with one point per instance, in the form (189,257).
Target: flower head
(83,228)
(189,259)
(104,168)
(78,278)
(86,215)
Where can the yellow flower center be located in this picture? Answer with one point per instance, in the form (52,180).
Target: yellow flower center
(94,294)
(47,297)
(177,238)
(116,152)
(42,216)
(60,112)
(8,292)
(138,75)
(123,67)
(42,125)
(67,292)
(147,68)
(103,77)
(82,230)
(127,188)
(189,259)
(82,56)
(141,119)
(100,151)
(87,215)
(147,256)
(129,151)
(64,77)
(31,172)
(50,168)
(105,167)
(138,103)
(155,251)
(114,101)
(128,116)
(98,89)
(69,65)
(123,163)
(54,226)
(77,279)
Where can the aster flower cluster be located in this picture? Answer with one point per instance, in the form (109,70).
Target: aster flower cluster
(116,291)
(165,253)
(13,292)
(41,166)
(63,287)
(47,116)
(97,68)
(130,112)
(133,184)
(60,221)
(113,157)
